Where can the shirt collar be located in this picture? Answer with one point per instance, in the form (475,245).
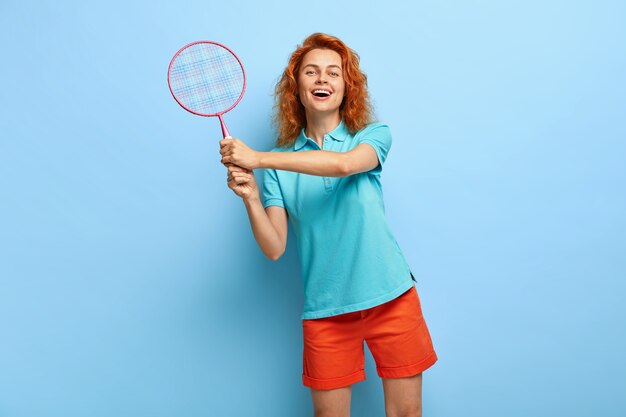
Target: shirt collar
(339,133)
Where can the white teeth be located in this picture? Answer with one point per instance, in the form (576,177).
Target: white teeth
(325,92)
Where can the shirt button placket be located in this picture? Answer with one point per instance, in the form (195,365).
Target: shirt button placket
(327,185)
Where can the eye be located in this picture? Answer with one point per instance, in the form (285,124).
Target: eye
(334,74)
(310,72)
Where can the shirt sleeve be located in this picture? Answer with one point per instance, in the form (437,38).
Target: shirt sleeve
(378,136)
(272,194)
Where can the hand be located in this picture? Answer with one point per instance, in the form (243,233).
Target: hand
(242,182)
(234,151)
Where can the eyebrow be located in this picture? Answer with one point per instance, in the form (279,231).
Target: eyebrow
(316,66)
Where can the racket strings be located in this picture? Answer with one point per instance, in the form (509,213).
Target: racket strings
(206,78)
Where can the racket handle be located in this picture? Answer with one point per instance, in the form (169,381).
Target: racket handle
(225,132)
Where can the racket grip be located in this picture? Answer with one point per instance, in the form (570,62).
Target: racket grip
(228,164)
(225,132)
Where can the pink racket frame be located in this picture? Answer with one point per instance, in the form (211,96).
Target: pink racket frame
(225,132)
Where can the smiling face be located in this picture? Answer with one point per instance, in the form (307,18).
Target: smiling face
(321,85)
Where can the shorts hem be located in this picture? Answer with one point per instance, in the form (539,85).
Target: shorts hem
(332,383)
(410,370)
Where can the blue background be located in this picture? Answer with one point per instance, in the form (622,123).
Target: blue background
(131,284)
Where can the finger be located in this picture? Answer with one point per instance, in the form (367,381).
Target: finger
(240,175)
(237,180)
(236,168)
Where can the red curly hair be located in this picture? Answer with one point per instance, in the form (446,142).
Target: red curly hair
(355,110)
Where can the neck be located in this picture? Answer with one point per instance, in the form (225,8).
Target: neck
(317,125)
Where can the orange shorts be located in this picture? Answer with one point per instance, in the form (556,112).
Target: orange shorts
(395,332)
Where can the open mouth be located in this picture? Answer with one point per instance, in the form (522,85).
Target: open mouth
(321,93)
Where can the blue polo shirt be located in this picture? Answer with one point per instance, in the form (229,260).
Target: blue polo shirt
(349,256)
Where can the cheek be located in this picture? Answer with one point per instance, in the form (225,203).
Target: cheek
(342,88)
(302,97)
(341,93)
(301,90)
(300,85)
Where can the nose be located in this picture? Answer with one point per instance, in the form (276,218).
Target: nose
(321,79)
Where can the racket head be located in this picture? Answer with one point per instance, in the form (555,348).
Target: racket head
(206,78)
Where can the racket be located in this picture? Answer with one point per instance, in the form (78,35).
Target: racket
(207,79)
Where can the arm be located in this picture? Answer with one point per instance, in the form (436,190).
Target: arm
(269,227)
(323,163)
(362,158)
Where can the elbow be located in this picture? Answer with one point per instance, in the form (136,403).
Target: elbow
(274,256)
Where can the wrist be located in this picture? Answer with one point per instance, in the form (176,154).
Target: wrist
(260,160)
(252,199)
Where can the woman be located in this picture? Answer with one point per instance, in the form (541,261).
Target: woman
(324,175)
